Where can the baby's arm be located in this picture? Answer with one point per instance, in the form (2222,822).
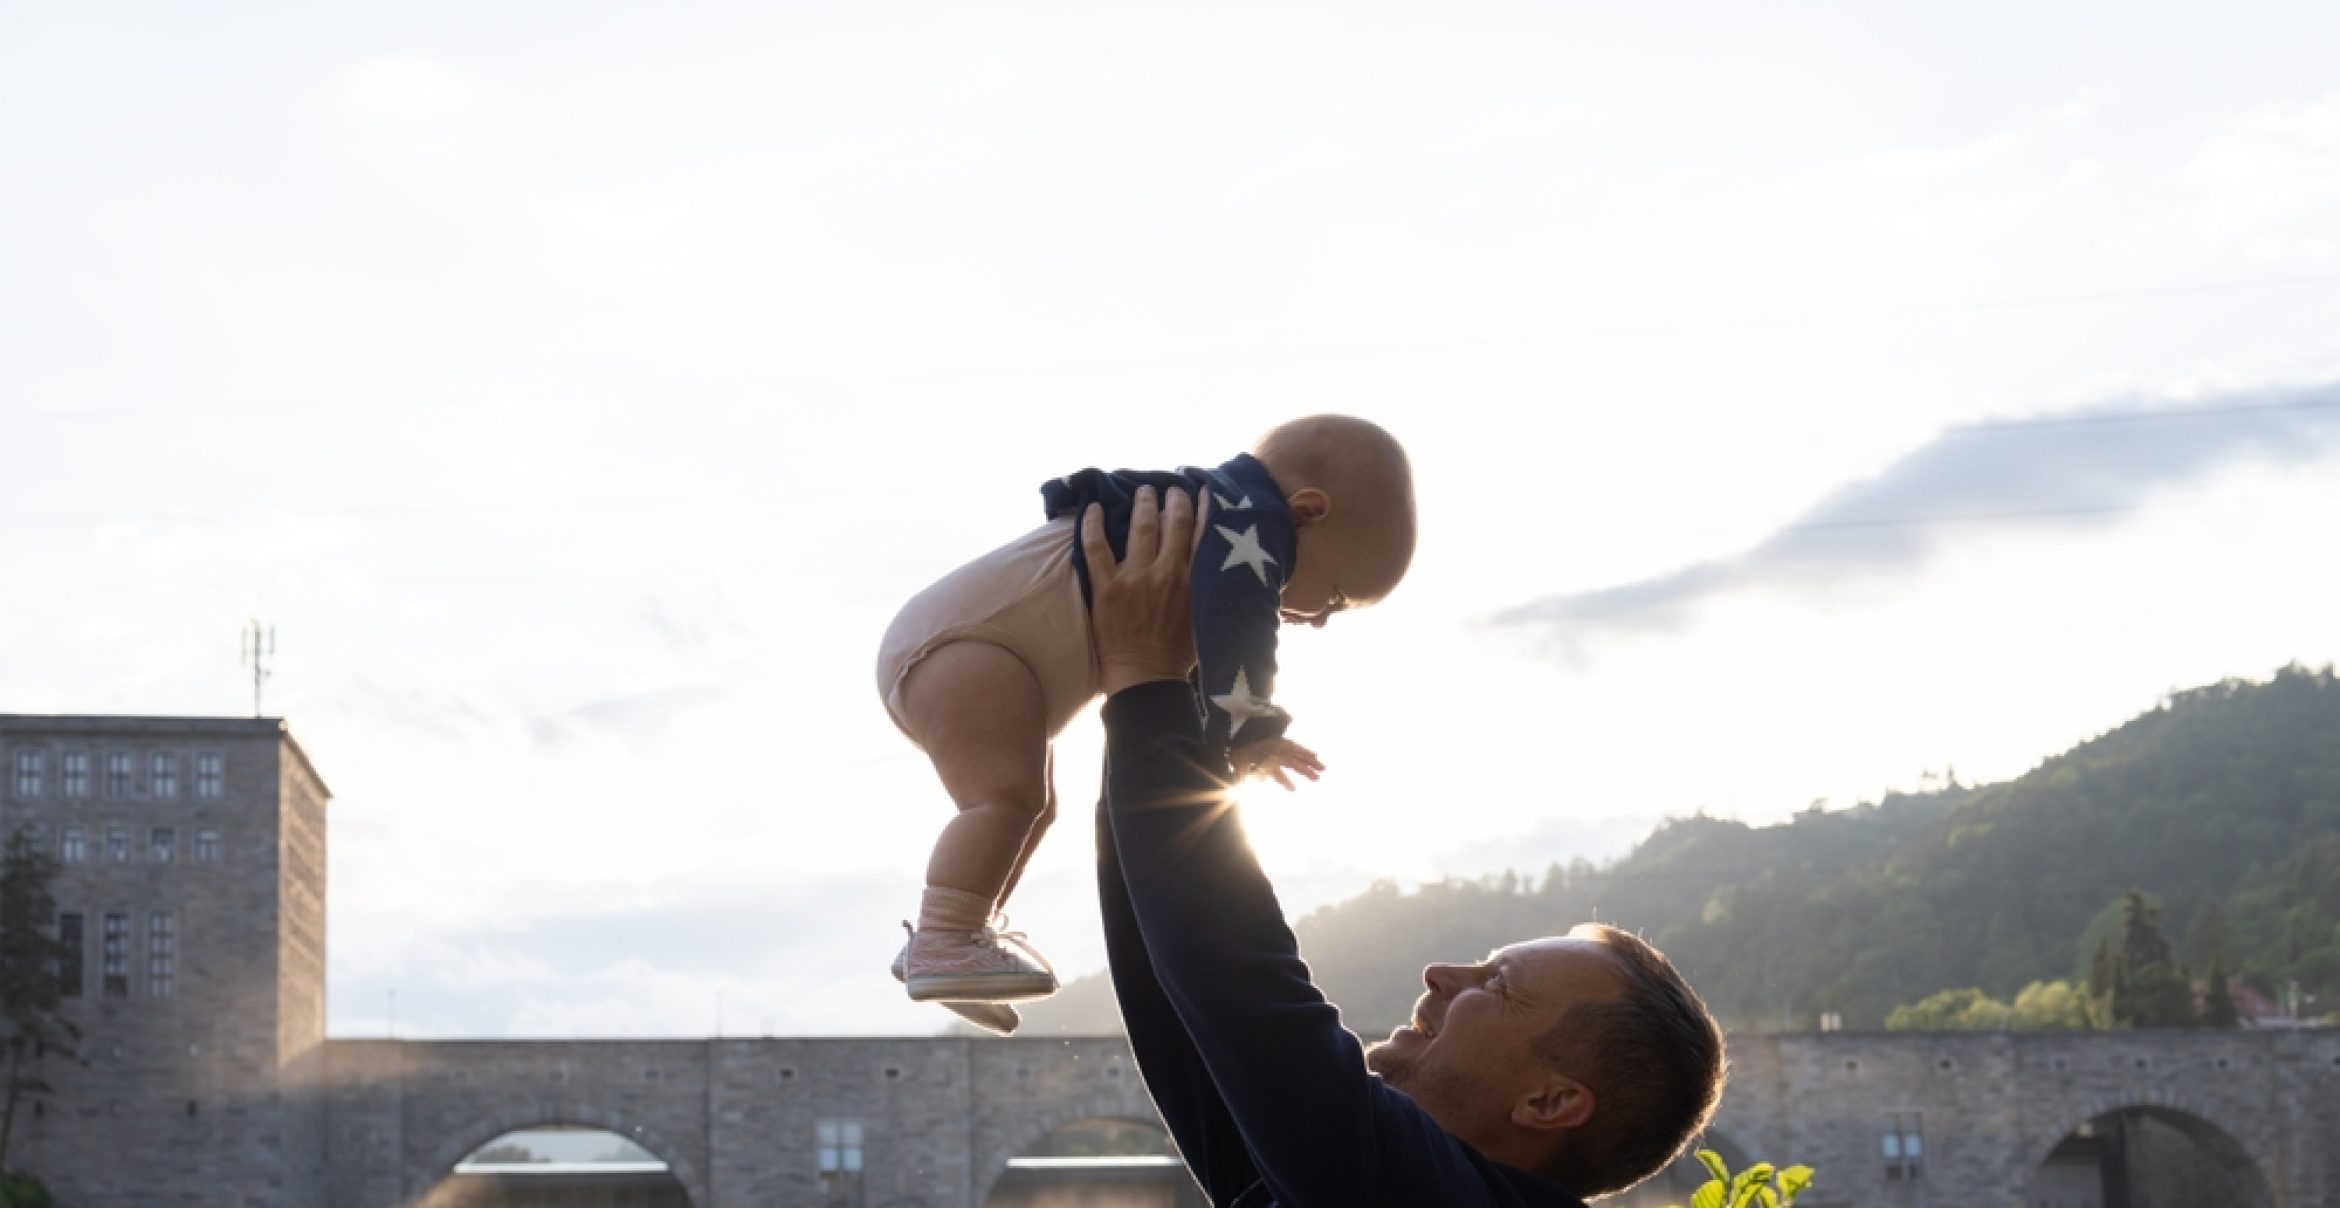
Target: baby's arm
(1237,588)
(1273,757)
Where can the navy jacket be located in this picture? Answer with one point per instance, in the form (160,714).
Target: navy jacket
(1266,1094)
(1238,582)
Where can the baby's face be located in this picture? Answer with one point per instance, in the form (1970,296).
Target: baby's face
(1313,594)
(1334,575)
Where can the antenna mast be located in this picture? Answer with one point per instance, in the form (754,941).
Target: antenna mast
(259,647)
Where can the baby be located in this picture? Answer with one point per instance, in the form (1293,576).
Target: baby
(983,668)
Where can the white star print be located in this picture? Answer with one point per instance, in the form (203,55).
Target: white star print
(1243,550)
(1241,706)
(1226,506)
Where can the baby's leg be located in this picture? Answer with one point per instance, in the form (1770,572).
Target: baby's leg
(1040,824)
(977,710)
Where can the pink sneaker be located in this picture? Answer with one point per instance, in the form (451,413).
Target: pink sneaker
(981,966)
(997,1018)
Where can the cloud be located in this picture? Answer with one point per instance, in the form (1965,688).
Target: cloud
(1931,165)
(803,957)
(2274,176)
(403,91)
(644,716)
(2083,467)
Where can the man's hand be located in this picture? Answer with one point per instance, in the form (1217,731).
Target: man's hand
(1273,757)
(1139,616)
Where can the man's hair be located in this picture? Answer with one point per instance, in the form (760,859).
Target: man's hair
(1654,1060)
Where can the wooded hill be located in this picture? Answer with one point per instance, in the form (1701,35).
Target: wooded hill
(2222,802)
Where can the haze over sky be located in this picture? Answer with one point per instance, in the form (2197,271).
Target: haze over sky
(1803,398)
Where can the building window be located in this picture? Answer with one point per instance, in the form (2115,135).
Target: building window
(73,774)
(29,766)
(118,774)
(69,957)
(162,953)
(116,956)
(207,774)
(118,844)
(207,847)
(840,1146)
(162,774)
(164,844)
(1905,1146)
(71,849)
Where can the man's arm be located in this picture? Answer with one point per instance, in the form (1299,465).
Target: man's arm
(1175,1075)
(1174,1072)
(1318,1126)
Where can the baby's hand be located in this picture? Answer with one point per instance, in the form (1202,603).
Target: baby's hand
(1273,757)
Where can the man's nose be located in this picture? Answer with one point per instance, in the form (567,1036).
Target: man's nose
(1443,980)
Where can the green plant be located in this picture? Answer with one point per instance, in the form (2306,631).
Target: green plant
(20,1190)
(1758,1186)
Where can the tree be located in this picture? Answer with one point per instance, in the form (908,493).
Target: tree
(2042,1006)
(2217,1002)
(33,1025)
(2050,1005)
(1967,1010)
(2206,942)
(2140,984)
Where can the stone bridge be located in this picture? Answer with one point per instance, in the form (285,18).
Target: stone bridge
(737,1120)
(1991,1107)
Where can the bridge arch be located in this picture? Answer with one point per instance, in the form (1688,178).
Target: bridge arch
(535,1113)
(1123,1103)
(2216,1140)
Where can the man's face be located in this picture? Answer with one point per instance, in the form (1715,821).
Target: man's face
(1469,1052)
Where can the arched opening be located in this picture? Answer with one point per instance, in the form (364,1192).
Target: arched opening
(2148,1157)
(1100,1163)
(559,1166)
(1681,1178)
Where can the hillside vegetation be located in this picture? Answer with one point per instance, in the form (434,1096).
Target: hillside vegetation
(2222,802)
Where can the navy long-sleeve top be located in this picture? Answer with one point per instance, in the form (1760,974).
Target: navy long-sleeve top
(1266,1094)
(1238,581)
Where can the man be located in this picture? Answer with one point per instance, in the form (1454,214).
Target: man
(1558,1068)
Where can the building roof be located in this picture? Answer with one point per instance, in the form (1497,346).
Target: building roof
(96,724)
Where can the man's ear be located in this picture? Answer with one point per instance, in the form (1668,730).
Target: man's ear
(1560,1104)
(1310,505)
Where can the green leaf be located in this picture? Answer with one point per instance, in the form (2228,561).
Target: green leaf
(1709,1196)
(1792,1183)
(1743,1188)
(1715,1165)
(1767,1197)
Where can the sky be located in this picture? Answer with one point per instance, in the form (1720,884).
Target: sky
(1805,400)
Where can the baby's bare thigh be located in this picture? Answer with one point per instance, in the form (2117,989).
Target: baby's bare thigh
(982,718)
(1024,599)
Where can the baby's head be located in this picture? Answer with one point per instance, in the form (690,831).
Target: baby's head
(1351,490)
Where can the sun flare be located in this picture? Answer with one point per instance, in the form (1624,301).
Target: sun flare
(1277,823)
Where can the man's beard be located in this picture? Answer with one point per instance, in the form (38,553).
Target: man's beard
(1442,1092)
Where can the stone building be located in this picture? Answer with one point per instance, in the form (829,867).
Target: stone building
(191,888)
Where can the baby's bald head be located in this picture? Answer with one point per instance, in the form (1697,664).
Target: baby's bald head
(1351,482)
